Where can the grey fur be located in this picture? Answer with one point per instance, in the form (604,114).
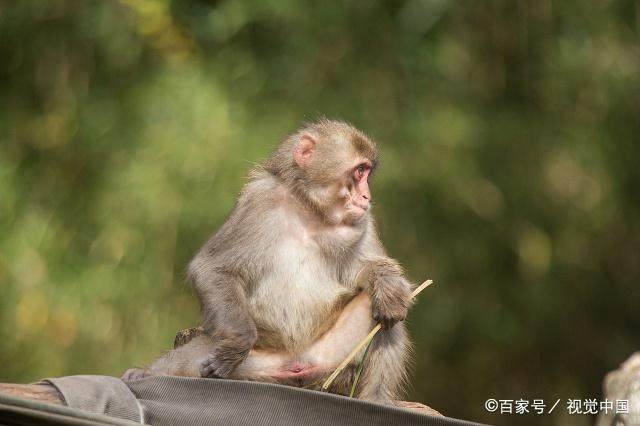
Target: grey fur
(287,260)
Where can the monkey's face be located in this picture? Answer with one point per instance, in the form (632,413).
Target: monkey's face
(354,194)
(339,185)
(346,198)
(335,163)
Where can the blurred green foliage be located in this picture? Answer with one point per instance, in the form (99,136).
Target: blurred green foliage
(511,174)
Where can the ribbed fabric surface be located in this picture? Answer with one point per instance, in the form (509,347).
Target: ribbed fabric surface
(99,394)
(191,401)
(21,411)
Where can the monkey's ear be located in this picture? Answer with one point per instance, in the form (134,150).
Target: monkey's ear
(304,149)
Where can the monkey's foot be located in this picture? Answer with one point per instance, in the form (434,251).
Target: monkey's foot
(135,374)
(217,368)
(425,409)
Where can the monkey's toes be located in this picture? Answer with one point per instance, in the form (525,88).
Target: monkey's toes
(135,374)
(215,368)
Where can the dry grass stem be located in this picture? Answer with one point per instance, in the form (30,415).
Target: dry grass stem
(366,340)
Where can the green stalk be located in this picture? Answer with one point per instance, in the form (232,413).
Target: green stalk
(359,369)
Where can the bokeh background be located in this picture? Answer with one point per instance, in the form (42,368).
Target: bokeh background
(510,175)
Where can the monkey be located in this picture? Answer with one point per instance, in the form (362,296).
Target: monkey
(297,275)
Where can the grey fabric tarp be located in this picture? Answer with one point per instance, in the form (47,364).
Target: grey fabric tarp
(94,400)
(21,411)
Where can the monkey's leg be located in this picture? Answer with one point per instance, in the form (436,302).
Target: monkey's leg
(308,368)
(315,362)
(187,359)
(182,361)
(384,371)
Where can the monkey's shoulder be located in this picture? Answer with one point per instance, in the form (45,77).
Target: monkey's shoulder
(270,227)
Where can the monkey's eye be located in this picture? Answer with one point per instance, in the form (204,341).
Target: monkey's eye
(359,172)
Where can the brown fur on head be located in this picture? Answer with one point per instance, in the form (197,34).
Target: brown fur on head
(328,164)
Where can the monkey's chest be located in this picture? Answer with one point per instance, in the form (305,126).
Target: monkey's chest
(297,298)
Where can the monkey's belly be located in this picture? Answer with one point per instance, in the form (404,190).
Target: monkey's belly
(293,303)
(320,358)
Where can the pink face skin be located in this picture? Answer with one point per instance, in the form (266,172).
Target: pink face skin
(359,195)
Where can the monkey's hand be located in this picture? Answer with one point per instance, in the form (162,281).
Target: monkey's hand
(226,354)
(391,298)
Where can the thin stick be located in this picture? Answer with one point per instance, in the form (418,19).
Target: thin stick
(366,340)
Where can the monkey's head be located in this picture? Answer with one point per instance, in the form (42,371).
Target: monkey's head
(328,164)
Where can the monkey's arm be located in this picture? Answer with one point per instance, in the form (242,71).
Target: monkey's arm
(382,277)
(218,275)
(225,316)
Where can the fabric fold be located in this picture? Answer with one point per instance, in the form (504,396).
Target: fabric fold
(99,394)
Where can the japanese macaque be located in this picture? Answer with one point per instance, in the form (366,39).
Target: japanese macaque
(297,276)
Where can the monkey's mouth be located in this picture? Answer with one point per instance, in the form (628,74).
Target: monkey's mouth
(361,207)
(356,210)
